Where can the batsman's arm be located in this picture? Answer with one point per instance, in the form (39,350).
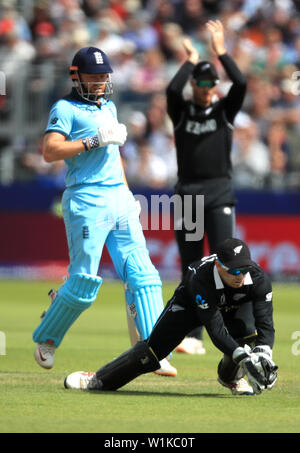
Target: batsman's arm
(57,147)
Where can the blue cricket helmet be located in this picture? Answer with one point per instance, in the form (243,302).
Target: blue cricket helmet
(90,60)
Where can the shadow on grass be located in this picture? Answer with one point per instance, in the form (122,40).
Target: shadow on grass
(163,394)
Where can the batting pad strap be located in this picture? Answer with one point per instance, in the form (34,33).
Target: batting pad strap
(139,270)
(132,363)
(80,289)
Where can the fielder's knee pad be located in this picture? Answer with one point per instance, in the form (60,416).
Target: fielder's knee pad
(143,291)
(132,363)
(75,296)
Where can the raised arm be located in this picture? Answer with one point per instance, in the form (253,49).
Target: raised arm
(175,101)
(235,97)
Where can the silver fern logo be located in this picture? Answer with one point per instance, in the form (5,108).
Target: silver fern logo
(237,249)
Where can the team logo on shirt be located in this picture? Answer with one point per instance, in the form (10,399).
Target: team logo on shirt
(54,120)
(269,297)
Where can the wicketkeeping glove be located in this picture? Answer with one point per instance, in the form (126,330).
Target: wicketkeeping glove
(260,369)
(262,355)
(264,349)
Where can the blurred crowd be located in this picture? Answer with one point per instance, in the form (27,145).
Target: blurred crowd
(143,39)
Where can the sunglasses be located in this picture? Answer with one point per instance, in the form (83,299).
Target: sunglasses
(206,83)
(238,271)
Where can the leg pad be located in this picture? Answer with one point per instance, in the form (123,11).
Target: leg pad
(132,363)
(143,292)
(75,296)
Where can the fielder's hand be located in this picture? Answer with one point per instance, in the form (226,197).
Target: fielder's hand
(192,52)
(114,134)
(217,36)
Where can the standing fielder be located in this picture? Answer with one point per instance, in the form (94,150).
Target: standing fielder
(231,296)
(98,208)
(203,135)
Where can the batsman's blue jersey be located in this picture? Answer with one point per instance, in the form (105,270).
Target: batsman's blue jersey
(77,120)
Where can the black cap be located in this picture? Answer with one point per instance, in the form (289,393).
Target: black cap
(205,70)
(234,253)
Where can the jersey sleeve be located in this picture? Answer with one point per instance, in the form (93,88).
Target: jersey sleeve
(235,97)
(263,313)
(175,100)
(60,118)
(219,334)
(209,315)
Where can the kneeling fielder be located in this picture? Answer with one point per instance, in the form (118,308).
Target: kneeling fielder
(231,296)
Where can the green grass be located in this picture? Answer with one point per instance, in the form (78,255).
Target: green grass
(34,400)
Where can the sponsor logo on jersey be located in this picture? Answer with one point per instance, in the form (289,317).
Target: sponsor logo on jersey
(194,127)
(201,302)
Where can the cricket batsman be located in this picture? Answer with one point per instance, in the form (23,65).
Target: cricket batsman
(98,208)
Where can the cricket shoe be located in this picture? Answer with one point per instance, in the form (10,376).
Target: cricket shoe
(190,345)
(82,380)
(44,355)
(166,369)
(238,387)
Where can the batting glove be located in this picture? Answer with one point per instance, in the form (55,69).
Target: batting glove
(114,134)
